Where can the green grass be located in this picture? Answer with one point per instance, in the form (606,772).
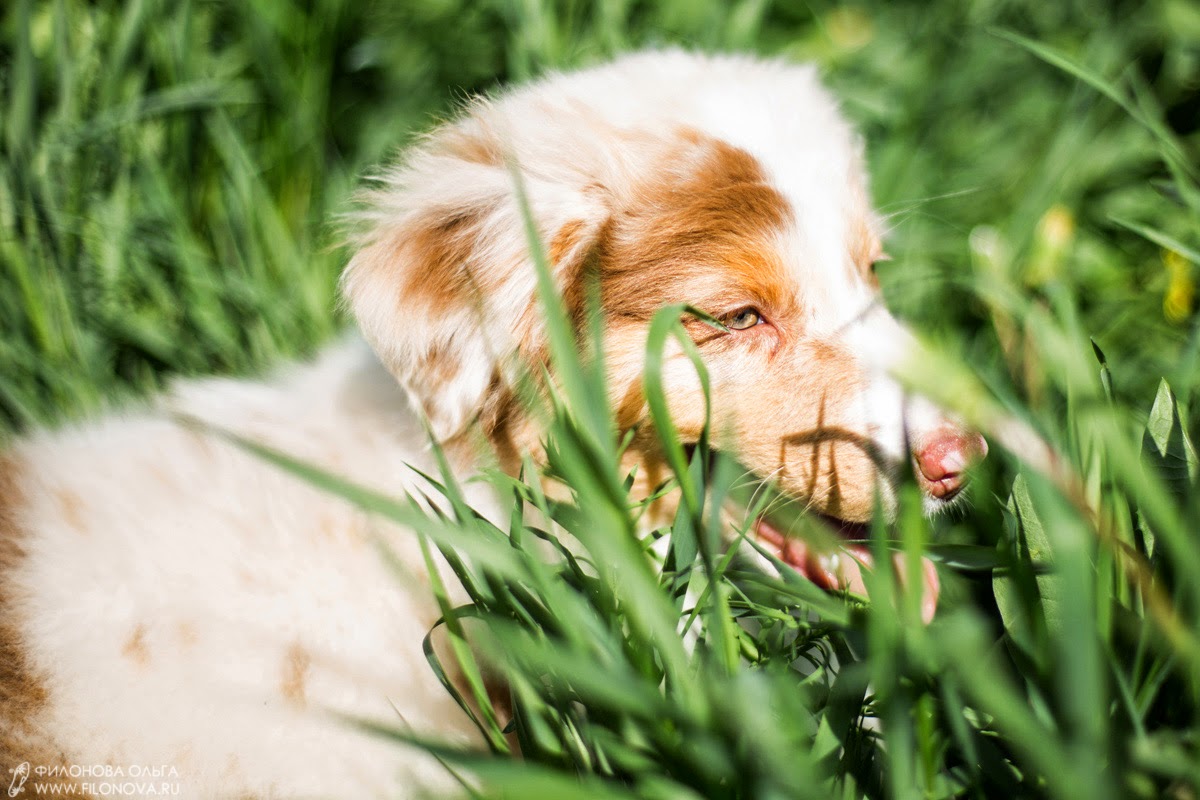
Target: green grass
(170,179)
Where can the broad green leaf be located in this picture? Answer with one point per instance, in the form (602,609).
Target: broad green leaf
(1166,445)
(1169,455)
(1027,595)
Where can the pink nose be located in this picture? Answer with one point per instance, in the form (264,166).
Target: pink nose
(943,459)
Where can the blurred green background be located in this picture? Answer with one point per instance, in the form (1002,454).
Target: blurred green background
(171,173)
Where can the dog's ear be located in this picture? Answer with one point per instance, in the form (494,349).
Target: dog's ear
(443,282)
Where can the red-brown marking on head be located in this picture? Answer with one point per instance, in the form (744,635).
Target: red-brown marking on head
(699,231)
(710,230)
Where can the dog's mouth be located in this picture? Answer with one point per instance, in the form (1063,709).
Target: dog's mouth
(827,550)
(831,552)
(839,565)
(817,563)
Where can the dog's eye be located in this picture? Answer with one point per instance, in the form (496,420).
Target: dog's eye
(743,319)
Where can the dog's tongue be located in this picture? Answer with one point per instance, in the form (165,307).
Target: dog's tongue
(842,570)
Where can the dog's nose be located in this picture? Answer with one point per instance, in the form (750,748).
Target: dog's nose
(943,459)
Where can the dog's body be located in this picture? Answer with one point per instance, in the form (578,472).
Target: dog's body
(169,601)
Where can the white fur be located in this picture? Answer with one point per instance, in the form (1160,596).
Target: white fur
(225,564)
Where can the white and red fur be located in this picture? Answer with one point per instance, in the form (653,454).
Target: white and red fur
(167,599)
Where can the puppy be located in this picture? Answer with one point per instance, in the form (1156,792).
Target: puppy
(178,612)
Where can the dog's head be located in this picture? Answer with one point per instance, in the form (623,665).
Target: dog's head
(729,184)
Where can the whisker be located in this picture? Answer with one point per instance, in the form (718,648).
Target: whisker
(909,205)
